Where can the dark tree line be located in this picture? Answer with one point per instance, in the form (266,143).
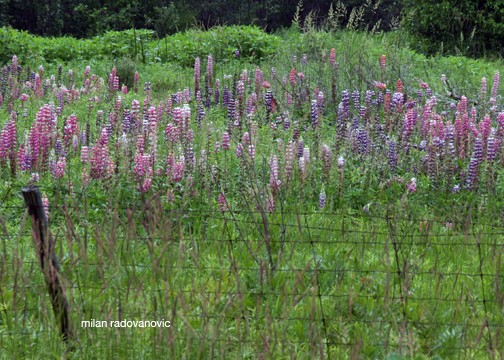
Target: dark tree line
(91,17)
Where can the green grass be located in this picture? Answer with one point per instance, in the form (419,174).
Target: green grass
(378,272)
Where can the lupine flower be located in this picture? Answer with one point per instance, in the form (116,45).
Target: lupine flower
(58,171)
(197,74)
(274,180)
(392,156)
(45,204)
(341,163)
(332,57)
(383,62)
(411,186)
(472,175)
(322,198)
(225,141)
(302,168)
(222,203)
(495,85)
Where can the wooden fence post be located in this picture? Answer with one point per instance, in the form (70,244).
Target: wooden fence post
(44,248)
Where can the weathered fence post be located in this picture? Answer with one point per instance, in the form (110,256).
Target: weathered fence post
(44,247)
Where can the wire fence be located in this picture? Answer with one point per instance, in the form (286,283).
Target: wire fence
(327,283)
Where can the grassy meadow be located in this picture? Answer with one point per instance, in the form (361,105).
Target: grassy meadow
(306,194)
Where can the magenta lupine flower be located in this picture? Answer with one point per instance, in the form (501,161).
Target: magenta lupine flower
(495,86)
(383,62)
(332,57)
(259,78)
(177,172)
(322,198)
(21,157)
(124,89)
(45,204)
(85,154)
(70,130)
(225,140)
(399,86)
(141,166)
(411,186)
(274,179)
(34,142)
(269,204)
(38,90)
(197,74)
(222,203)
(145,184)
(58,171)
(485,127)
(292,77)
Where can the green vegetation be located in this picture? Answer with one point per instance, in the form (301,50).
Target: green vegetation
(307,204)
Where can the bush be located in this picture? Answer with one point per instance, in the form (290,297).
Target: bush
(181,48)
(462,27)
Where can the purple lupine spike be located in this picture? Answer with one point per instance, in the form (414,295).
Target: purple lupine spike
(274,178)
(392,156)
(289,160)
(314,114)
(300,148)
(127,123)
(363,141)
(226,96)
(302,169)
(356,98)
(491,147)
(322,198)
(345,101)
(225,141)
(472,175)
(478,150)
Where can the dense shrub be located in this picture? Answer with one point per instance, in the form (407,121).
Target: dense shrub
(140,45)
(466,27)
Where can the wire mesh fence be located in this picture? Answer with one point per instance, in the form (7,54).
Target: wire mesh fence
(251,284)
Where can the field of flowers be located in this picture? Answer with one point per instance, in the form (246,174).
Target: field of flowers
(296,207)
